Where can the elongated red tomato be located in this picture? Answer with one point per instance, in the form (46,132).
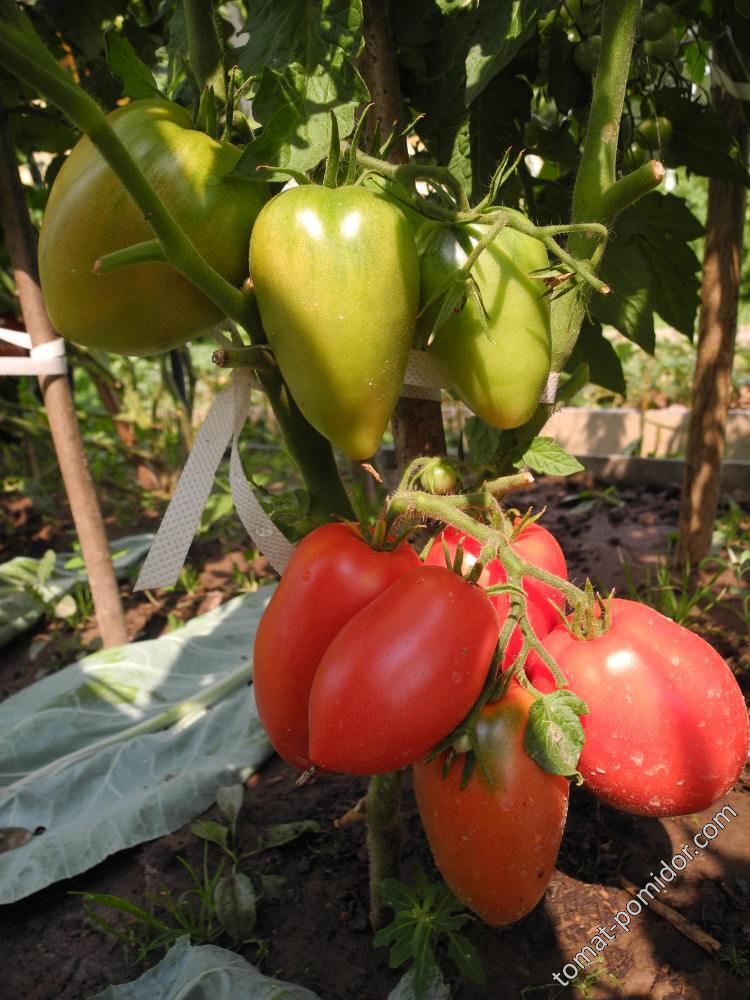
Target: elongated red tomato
(536,546)
(402,673)
(495,844)
(332,575)
(667,729)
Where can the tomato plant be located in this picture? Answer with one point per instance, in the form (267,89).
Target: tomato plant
(337,279)
(498,367)
(332,575)
(534,544)
(402,673)
(495,841)
(147,308)
(667,732)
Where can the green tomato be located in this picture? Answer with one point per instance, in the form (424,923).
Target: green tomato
(499,373)
(654,133)
(440,477)
(146,308)
(658,22)
(662,49)
(336,275)
(633,157)
(586,55)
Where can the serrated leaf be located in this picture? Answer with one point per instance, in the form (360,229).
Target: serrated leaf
(545,455)
(605,366)
(214,833)
(234,899)
(701,140)
(304,64)
(482,440)
(502,27)
(125,63)
(554,735)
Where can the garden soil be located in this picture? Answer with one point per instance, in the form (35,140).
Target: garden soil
(313,924)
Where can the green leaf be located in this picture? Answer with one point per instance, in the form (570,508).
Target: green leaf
(482,440)
(565,84)
(125,64)
(234,899)
(283,833)
(546,456)
(502,27)
(628,307)
(701,140)
(554,735)
(230,798)
(464,956)
(215,833)
(46,566)
(305,70)
(605,366)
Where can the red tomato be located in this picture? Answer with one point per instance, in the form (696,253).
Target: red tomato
(332,575)
(402,673)
(667,732)
(536,546)
(495,844)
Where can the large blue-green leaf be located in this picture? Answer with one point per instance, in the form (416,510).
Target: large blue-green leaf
(205,971)
(116,691)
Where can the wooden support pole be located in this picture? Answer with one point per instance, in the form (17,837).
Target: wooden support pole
(20,239)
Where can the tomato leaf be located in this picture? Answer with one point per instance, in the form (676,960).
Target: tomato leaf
(501,29)
(482,440)
(124,63)
(305,71)
(605,366)
(545,455)
(554,735)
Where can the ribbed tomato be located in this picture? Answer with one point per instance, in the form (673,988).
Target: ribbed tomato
(667,729)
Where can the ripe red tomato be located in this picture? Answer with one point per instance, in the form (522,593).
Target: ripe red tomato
(535,545)
(332,575)
(495,844)
(402,673)
(667,732)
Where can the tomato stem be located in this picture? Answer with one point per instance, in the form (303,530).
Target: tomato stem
(383,835)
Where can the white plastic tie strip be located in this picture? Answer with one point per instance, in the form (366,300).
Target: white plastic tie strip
(549,392)
(222,425)
(44,359)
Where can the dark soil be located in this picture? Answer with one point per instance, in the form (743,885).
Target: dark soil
(314,927)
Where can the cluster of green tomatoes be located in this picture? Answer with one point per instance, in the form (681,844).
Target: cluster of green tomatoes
(347,282)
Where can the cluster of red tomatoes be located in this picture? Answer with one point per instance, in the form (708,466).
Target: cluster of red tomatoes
(365,660)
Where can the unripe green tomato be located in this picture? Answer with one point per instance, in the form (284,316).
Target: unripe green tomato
(654,133)
(658,22)
(145,308)
(573,35)
(633,157)
(586,55)
(663,49)
(440,477)
(499,373)
(336,275)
